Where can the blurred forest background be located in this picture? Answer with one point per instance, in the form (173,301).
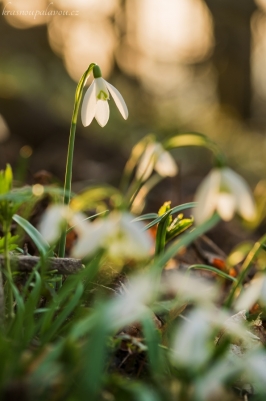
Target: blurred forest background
(181,65)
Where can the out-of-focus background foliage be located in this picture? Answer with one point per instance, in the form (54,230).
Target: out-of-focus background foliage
(181,65)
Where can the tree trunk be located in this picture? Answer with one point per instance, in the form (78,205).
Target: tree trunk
(232,52)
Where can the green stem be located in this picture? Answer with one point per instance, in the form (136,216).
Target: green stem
(212,269)
(161,234)
(10,299)
(70,152)
(245,269)
(132,193)
(196,139)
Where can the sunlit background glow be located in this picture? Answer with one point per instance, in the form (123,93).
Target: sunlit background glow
(166,46)
(23,13)
(80,43)
(171,30)
(258,61)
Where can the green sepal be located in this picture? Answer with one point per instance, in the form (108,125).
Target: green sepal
(97,73)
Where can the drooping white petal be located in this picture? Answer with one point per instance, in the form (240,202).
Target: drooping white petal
(90,240)
(239,188)
(226,205)
(80,222)
(166,165)
(146,163)
(189,288)
(127,240)
(136,242)
(206,196)
(251,294)
(88,108)
(190,345)
(51,223)
(102,112)
(119,101)
(131,305)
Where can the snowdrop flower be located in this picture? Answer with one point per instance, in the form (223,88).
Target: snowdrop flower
(117,234)
(189,288)
(157,158)
(254,292)
(95,102)
(191,343)
(226,192)
(133,303)
(54,219)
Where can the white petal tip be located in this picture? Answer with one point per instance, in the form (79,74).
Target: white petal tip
(84,123)
(119,101)
(102,112)
(125,115)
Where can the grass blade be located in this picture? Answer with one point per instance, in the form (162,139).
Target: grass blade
(35,235)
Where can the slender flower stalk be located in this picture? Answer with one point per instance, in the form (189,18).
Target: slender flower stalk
(6,212)
(10,300)
(196,139)
(70,152)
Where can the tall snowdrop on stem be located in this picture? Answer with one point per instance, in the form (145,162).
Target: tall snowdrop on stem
(95,104)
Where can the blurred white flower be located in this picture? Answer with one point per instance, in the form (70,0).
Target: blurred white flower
(189,288)
(255,368)
(192,343)
(157,158)
(210,385)
(117,234)
(235,326)
(255,291)
(95,102)
(226,192)
(54,219)
(194,337)
(134,302)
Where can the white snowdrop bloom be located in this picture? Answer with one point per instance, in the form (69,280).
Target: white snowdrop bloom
(254,292)
(54,219)
(134,301)
(118,235)
(189,288)
(226,192)
(255,368)
(95,102)
(157,158)
(191,342)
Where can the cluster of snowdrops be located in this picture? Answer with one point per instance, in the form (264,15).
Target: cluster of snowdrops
(198,337)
